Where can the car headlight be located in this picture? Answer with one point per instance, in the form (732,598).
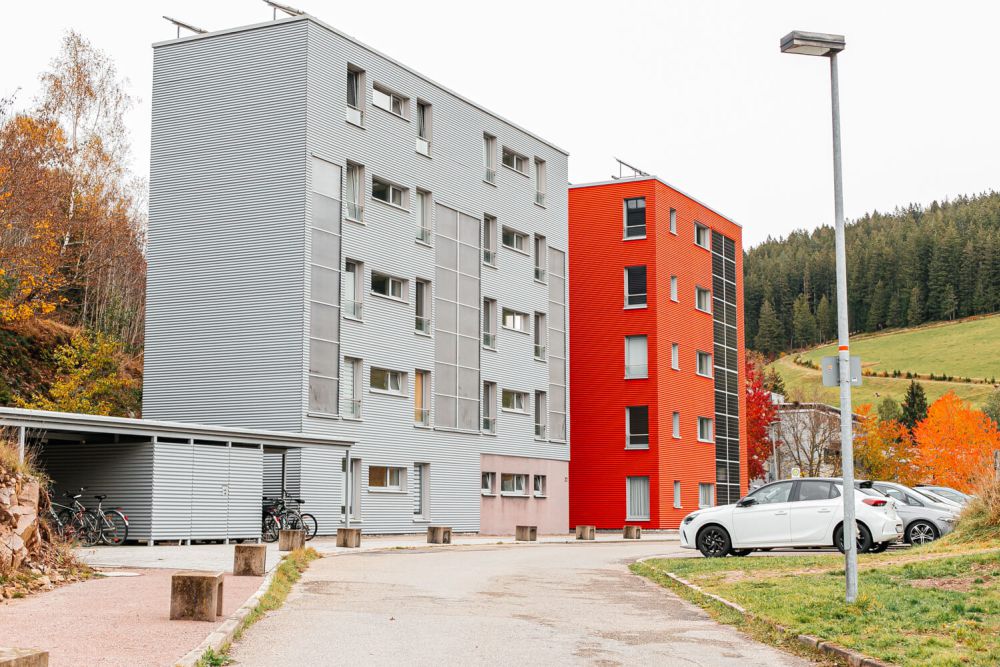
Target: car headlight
(689,518)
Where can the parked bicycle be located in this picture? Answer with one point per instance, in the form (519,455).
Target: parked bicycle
(277,515)
(76,522)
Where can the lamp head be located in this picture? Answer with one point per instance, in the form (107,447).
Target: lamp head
(812,43)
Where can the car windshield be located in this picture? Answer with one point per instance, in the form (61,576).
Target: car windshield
(949,494)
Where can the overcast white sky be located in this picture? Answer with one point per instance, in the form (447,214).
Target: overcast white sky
(695,92)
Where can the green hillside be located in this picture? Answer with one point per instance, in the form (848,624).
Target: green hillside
(968,348)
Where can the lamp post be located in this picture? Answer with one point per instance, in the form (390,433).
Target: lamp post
(821,44)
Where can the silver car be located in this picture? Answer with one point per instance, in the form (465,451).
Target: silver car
(946,492)
(924,519)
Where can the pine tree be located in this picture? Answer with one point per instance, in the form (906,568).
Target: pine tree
(825,319)
(876,311)
(773,382)
(894,315)
(770,336)
(915,313)
(949,303)
(914,405)
(803,322)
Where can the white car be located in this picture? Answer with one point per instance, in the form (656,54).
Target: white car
(791,513)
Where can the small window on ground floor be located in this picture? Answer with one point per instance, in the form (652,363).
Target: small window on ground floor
(489,483)
(386,478)
(513,484)
(637,498)
(706,495)
(539,486)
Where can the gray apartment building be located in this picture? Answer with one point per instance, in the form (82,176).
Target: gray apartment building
(340,247)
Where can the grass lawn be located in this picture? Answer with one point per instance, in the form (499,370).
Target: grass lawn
(938,605)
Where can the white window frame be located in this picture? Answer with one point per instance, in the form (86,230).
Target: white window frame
(628,429)
(519,320)
(393,190)
(489,323)
(673,221)
(424,127)
(392,284)
(355,303)
(698,293)
(422,207)
(355,112)
(520,162)
(489,158)
(489,408)
(673,289)
(706,489)
(676,425)
(489,240)
(541,415)
(422,295)
(488,484)
(630,514)
(539,484)
(675,356)
(625,227)
(422,397)
(541,182)
(399,472)
(540,249)
(354,192)
(354,403)
(422,492)
(540,336)
(397,378)
(706,425)
(519,484)
(636,371)
(387,100)
(704,358)
(519,401)
(699,231)
(519,240)
(677,495)
(629,296)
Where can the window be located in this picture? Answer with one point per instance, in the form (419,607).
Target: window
(490,158)
(637,427)
(355,95)
(705,364)
(386,478)
(352,386)
(422,303)
(675,356)
(541,410)
(673,288)
(515,161)
(325,285)
(423,217)
(389,193)
(514,401)
(702,236)
(706,495)
(490,324)
(380,379)
(489,407)
(489,240)
(515,320)
(391,102)
(355,499)
(355,192)
(702,299)
(705,429)
(677,425)
(677,494)
(353,280)
(422,398)
(422,491)
(423,128)
(635,286)
(540,332)
(812,489)
(637,498)
(635,357)
(772,493)
(514,240)
(540,483)
(635,218)
(513,484)
(388,286)
(540,258)
(541,183)
(489,483)
(673,221)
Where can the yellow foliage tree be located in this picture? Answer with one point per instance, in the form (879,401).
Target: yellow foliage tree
(884,450)
(955,443)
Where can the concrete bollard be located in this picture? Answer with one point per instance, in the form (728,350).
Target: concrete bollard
(349,537)
(196,596)
(586,532)
(23,657)
(632,532)
(250,560)
(526,533)
(292,539)
(438,534)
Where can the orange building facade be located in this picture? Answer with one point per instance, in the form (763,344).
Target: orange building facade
(656,355)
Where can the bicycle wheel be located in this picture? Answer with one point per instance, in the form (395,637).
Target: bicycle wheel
(269,528)
(308,523)
(85,528)
(114,528)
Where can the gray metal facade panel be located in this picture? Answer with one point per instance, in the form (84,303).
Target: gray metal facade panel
(323,486)
(172,489)
(246,486)
(226,212)
(210,491)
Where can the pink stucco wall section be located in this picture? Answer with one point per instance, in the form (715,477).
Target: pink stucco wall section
(500,514)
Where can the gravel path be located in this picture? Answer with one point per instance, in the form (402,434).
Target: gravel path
(532,604)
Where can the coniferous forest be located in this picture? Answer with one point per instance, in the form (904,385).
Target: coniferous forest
(904,268)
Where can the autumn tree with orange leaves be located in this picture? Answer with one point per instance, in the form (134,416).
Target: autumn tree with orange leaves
(884,450)
(955,443)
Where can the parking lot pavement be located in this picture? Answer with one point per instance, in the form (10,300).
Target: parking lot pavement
(543,603)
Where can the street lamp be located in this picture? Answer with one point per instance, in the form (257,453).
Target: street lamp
(822,44)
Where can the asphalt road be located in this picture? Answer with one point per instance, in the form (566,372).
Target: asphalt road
(552,604)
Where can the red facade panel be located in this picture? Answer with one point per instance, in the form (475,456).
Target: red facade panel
(599,323)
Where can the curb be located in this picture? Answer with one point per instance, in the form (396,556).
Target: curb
(850,656)
(224,634)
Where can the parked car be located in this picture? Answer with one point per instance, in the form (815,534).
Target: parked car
(791,513)
(946,492)
(924,518)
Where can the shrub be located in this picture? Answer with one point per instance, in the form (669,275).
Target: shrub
(981,518)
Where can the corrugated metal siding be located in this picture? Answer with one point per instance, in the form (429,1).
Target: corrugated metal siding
(273,473)
(226,233)
(122,471)
(323,486)
(210,491)
(172,489)
(246,476)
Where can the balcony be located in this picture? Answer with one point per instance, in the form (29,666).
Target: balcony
(540,431)
(423,146)
(355,212)
(355,115)
(490,340)
(540,198)
(539,274)
(421,417)
(352,408)
(424,235)
(491,176)
(539,352)
(489,425)
(422,324)
(352,309)
(636,371)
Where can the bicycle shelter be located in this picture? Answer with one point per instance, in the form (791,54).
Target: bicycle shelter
(179,481)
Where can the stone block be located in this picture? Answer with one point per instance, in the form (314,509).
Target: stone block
(438,534)
(586,532)
(23,657)
(632,532)
(196,596)
(291,539)
(250,560)
(349,537)
(526,533)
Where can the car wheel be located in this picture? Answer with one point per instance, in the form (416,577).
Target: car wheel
(864,538)
(879,547)
(740,552)
(714,542)
(921,532)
